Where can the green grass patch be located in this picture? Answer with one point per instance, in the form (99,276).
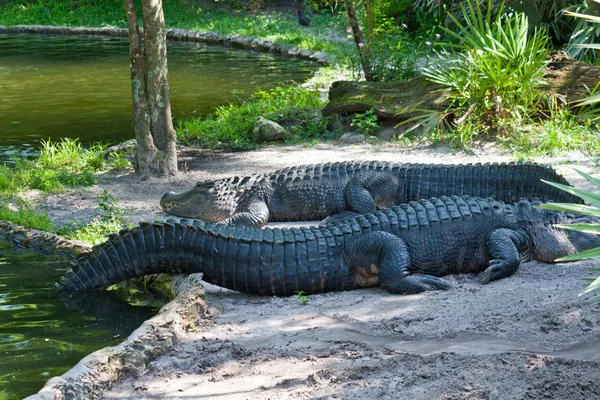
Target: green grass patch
(231,125)
(562,132)
(25,216)
(60,165)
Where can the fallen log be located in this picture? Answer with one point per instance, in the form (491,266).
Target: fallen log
(398,101)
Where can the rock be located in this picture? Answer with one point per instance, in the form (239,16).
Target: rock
(126,146)
(268,131)
(352,138)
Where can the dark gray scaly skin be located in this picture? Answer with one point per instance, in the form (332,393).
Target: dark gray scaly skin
(313,192)
(403,249)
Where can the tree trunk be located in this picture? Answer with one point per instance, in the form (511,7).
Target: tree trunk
(156,153)
(361,46)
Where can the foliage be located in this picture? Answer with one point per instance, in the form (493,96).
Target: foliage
(592,210)
(543,14)
(111,219)
(366,123)
(26,216)
(586,32)
(231,125)
(560,131)
(59,165)
(500,68)
(590,103)
(394,56)
(303,297)
(117,161)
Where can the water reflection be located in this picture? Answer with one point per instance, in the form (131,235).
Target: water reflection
(42,334)
(79,87)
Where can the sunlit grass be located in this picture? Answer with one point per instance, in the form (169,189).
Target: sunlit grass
(231,125)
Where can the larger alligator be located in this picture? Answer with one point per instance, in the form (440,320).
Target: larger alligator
(313,192)
(403,249)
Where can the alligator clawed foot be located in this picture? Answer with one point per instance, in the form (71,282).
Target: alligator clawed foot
(417,283)
(497,269)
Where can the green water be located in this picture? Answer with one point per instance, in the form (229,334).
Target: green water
(42,335)
(79,87)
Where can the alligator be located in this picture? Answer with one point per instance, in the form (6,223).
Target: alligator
(403,249)
(313,192)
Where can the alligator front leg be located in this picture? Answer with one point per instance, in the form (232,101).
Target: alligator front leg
(385,256)
(371,190)
(503,248)
(255,214)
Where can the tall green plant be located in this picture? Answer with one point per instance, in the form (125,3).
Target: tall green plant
(591,102)
(499,66)
(587,30)
(591,210)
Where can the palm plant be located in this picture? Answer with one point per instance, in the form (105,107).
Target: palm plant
(586,30)
(593,100)
(500,65)
(592,210)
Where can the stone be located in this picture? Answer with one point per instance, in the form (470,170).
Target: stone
(269,131)
(352,138)
(127,146)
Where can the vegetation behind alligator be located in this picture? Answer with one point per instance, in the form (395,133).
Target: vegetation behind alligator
(313,192)
(403,249)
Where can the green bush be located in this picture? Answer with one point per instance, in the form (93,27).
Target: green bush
(366,123)
(500,66)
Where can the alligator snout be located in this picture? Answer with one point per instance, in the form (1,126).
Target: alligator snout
(164,201)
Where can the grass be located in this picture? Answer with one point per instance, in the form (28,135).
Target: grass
(25,216)
(60,165)
(231,125)
(280,27)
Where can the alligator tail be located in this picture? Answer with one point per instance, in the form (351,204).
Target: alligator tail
(246,259)
(146,249)
(507,182)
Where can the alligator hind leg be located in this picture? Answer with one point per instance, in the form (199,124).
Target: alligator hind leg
(385,256)
(503,247)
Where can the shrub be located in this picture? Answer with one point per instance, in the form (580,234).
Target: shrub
(500,67)
(366,123)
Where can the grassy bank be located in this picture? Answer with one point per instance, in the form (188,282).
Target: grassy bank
(326,33)
(60,166)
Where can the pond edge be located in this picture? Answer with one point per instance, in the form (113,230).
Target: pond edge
(98,371)
(233,40)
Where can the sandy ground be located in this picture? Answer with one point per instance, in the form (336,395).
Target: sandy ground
(524,337)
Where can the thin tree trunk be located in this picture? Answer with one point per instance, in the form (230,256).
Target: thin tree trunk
(359,40)
(157,84)
(146,152)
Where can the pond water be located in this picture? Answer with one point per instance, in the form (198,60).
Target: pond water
(42,336)
(79,86)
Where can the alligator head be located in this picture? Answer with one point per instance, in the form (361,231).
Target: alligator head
(208,201)
(551,241)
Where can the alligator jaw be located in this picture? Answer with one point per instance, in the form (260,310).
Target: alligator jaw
(195,203)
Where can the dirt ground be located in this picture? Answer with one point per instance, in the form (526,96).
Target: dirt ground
(524,337)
